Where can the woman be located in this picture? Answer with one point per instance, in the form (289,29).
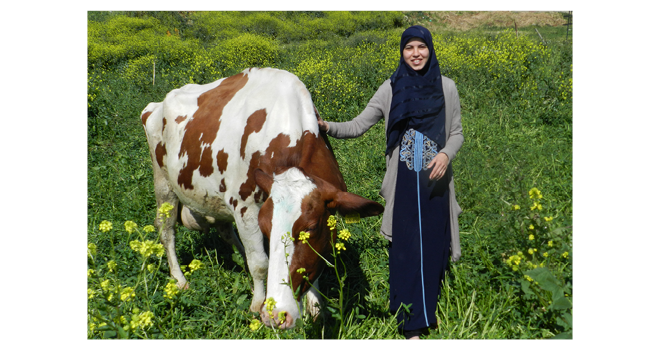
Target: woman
(422,117)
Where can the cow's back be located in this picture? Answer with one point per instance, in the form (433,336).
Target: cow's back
(208,139)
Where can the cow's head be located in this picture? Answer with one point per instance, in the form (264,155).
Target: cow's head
(300,203)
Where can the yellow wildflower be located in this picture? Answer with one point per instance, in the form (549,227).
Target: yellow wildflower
(550,244)
(545,255)
(112,265)
(90,272)
(547,218)
(531,237)
(516,207)
(565,255)
(130,226)
(195,265)
(344,234)
(332,222)
(171,290)
(127,294)
(105,226)
(90,293)
(339,247)
(304,236)
(105,285)
(270,306)
(143,320)
(531,227)
(301,270)
(255,324)
(537,206)
(281,316)
(165,209)
(149,229)
(535,193)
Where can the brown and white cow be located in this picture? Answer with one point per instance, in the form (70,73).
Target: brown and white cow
(247,149)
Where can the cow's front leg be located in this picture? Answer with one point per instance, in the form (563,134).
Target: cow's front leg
(257,259)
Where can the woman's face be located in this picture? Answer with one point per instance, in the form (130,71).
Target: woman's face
(415,54)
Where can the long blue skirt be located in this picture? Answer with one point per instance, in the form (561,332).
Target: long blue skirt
(418,255)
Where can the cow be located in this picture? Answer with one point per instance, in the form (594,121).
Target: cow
(247,149)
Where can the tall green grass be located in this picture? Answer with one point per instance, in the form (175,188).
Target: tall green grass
(516,99)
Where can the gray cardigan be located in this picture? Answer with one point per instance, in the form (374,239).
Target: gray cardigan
(379,108)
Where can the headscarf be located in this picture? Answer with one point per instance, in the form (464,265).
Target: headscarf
(418,101)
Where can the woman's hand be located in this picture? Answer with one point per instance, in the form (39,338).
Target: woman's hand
(323,125)
(438,166)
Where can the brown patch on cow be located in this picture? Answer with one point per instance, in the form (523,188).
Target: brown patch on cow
(223,187)
(206,165)
(250,183)
(180,119)
(160,151)
(243,210)
(164,123)
(318,160)
(222,160)
(234,202)
(254,124)
(202,128)
(144,117)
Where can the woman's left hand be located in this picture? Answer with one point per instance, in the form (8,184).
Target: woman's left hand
(438,166)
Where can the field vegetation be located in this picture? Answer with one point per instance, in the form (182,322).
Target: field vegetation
(513,174)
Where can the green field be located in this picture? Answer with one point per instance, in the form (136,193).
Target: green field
(515,277)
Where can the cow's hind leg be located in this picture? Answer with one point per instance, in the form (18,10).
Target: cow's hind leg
(167,226)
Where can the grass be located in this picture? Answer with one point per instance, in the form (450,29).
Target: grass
(517,123)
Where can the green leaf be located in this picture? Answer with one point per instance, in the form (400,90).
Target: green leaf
(564,335)
(560,303)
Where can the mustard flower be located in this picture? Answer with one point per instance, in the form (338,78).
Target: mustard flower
(535,193)
(516,207)
(531,237)
(254,325)
(151,267)
(90,293)
(195,265)
(344,234)
(147,248)
(565,255)
(130,226)
(127,294)
(301,270)
(105,226)
(531,251)
(91,249)
(143,320)
(165,209)
(531,227)
(339,247)
(545,255)
(112,266)
(332,222)
(270,306)
(529,278)
(171,290)
(547,218)
(536,206)
(550,244)
(90,272)
(105,285)
(149,229)
(304,236)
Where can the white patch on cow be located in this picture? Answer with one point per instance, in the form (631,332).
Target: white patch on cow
(287,193)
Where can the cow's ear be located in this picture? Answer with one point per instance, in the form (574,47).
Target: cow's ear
(263,180)
(349,204)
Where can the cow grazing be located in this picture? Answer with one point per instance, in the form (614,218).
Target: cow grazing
(247,149)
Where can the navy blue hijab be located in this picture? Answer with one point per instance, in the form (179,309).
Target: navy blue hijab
(418,101)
